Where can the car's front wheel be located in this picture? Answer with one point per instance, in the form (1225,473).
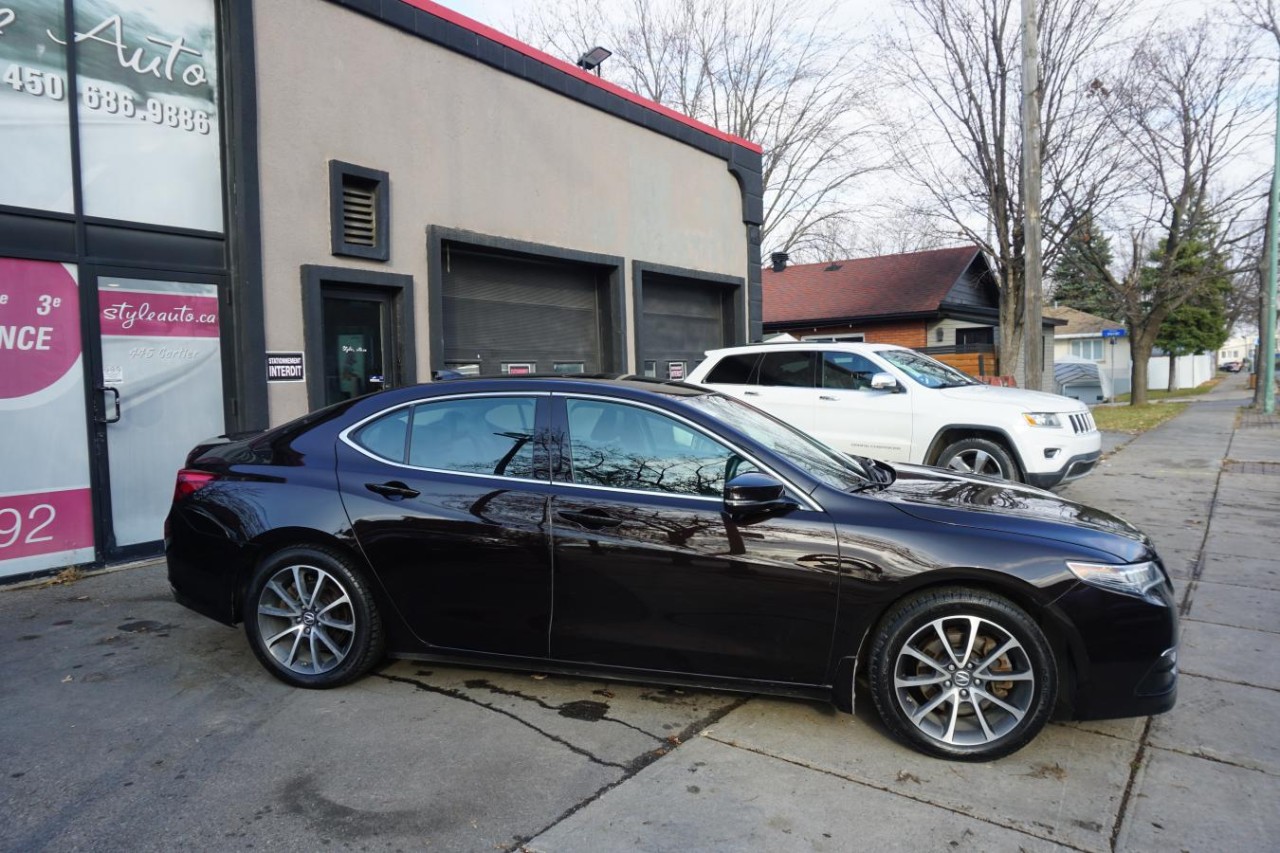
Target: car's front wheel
(962,674)
(311,619)
(978,456)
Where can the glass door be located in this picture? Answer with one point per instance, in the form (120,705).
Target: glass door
(161,392)
(357,338)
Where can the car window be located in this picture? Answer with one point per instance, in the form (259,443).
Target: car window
(734,369)
(925,370)
(787,369)
(479,435)
(626,447)
(386,436)
(848,371)
(798,448)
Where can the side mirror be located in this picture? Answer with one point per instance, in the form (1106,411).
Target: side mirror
(755,493)
(885,382)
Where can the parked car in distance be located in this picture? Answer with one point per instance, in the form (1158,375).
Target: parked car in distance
(660,532)
(895,404)
(1231,366)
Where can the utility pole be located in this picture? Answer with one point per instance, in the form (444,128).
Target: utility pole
(1033,287)
(1265,366)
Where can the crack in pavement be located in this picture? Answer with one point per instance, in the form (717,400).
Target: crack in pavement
(458,694)
(1135,765)
(639,763)
(1215,759)
(485,684)
(884,788)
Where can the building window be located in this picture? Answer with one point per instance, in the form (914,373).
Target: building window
(976,336)
(358,211)
(1090,349)
(848,338)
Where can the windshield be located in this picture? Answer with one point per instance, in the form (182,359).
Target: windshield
(926,371)
(808,454)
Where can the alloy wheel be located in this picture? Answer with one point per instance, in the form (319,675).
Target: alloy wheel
(306,619)
(964,681)
(977,461)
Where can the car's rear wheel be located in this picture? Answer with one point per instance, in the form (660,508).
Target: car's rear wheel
(311,619)
(978,456)
(962,674)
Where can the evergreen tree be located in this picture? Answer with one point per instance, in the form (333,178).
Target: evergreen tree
(1199,325)
(1076,281)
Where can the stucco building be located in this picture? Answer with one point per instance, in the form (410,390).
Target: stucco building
(219,214)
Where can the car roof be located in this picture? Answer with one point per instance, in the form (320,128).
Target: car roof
(564,383)
(781,346)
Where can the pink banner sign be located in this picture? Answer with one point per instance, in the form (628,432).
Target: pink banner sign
(45,523)
(158,315)
(39,325)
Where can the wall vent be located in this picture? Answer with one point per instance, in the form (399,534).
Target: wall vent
(358,211)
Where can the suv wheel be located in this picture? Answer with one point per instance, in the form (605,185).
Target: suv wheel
(978,456)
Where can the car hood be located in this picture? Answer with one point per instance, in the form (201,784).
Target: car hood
(1028,401)
(947,497)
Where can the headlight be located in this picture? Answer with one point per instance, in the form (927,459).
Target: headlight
(1042,419)
(1130,579)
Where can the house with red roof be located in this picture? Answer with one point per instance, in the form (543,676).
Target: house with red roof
(943,302)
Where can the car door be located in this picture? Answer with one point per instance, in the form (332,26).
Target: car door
(448,499)
(651,573)
(853,417)
(784,387)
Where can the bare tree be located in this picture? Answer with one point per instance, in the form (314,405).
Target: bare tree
(1184,108)
(962,147)
(773,72)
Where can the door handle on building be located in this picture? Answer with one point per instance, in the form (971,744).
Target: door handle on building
(116,394)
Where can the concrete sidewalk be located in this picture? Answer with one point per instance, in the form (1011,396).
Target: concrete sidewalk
(776,775)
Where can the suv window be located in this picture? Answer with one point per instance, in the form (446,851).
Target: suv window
(613,444)
(480,435)
(734,369)
(847,370)
(787,369)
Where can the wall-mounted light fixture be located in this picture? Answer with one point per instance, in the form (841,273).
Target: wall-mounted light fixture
(590,61)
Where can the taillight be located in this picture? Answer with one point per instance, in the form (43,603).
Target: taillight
(190,482)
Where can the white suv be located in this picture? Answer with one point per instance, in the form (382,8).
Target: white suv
(893,403)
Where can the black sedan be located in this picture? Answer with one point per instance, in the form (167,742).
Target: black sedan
(661,532)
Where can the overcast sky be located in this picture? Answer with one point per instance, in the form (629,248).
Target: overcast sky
(862,17)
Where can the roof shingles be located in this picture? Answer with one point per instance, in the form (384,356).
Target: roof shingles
(866,287)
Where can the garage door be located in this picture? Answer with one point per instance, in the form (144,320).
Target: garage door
(523,315)
(682,318)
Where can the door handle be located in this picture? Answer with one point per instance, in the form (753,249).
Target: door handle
(394,490)
(590,518)
(751,393)
(116,393)
(827,397)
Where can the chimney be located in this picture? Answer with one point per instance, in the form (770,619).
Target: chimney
(779,261)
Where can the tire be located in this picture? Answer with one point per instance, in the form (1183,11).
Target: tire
(962,701)
(979,456)
(311,619)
